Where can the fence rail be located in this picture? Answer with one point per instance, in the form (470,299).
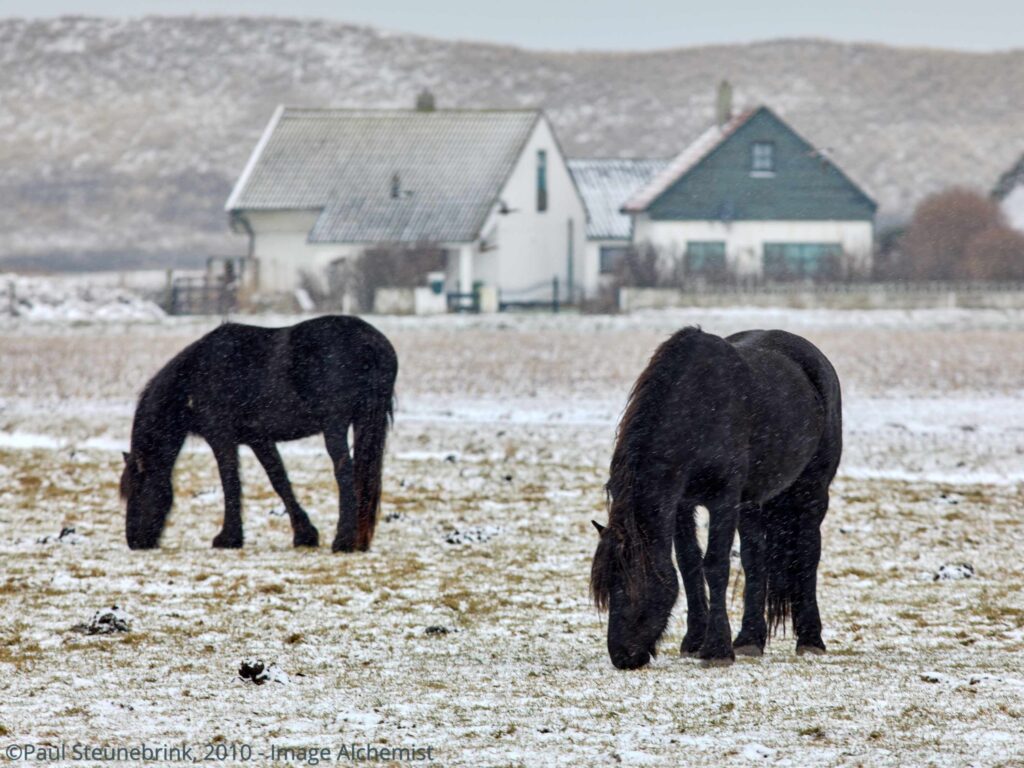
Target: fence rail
(544,295)
(905,286)
(895,295)
(200,296)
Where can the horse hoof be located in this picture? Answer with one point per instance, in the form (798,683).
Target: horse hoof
(340,545)
(748,650)
(636,661)
(692,642)
(306,539)
(809,650)
(227,542)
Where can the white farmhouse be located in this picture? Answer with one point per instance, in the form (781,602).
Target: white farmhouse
(1009,192)
(751,200)
(606,184)
(490,187)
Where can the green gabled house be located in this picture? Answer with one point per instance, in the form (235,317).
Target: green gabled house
(752,200)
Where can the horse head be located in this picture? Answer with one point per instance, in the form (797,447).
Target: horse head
(148,495)
(637,589)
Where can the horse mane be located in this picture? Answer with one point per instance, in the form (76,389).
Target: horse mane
(624,546)
(161,421)
(127,484)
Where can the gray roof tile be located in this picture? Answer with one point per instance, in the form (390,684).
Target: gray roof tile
(451,167)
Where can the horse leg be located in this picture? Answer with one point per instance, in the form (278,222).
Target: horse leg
(806,619)
(230,536)
(691,567)
(717,646)
(754,630)
(337,445)
(304,533)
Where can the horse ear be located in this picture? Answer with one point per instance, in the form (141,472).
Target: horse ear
(127,456)
(600,528)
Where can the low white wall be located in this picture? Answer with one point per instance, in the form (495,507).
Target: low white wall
(409,301)
(839,296)
(1013,208)
(394,301)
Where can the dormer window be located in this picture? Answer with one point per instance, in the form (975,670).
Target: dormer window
(762,158)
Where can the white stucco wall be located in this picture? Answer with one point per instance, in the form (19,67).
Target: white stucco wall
(533,246)
(282,249)
(745,239)
(1013,207)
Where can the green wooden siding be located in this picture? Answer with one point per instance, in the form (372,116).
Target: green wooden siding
(802,185)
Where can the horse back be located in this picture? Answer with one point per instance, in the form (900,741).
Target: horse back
(796,407)
(686,416)
(248,382)
(337,362)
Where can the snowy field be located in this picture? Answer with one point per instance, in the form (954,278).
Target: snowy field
(467,629)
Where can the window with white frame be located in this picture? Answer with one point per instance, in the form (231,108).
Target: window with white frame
(762,158)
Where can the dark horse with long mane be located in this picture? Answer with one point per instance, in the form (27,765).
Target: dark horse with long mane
(244,385)
(749,427)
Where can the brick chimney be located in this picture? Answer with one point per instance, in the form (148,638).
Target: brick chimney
(425,101)
(723,105)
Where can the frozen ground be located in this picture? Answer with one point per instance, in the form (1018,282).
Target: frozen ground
(487,650)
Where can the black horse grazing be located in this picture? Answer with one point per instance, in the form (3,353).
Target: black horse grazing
(244,385)
(749,427)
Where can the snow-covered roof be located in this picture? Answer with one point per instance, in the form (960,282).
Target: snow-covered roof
(385,175)
(684,162)
(605,184)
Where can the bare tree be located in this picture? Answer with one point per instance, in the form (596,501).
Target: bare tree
(995,254)
(391,266)
(935,244)
(642,267)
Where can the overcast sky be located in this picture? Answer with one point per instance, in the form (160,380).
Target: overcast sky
(979,25)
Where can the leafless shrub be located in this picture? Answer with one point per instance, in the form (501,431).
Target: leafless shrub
(314,286)
(995,254)
(393,266)
(605,302)
(944,224)
(890,261)
(643,266)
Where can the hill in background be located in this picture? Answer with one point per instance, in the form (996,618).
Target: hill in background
(120,139)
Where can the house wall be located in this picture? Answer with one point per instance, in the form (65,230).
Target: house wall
(1013,207)
(533,246)
(745,240)
(283,251)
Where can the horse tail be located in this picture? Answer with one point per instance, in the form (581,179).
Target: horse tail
(783,535)
(370,429)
